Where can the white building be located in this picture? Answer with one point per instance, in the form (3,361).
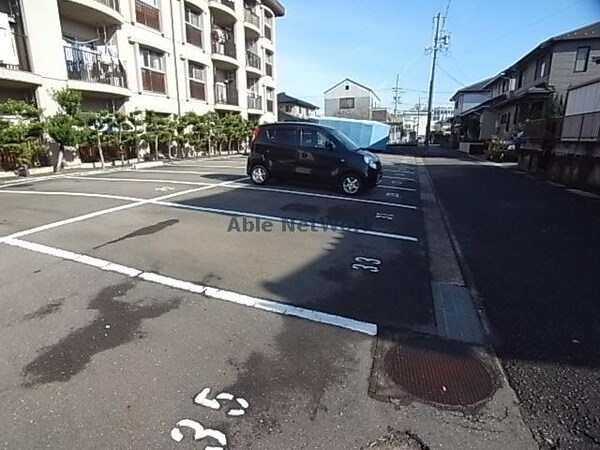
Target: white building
(350,100)
(414,123)
(169,56)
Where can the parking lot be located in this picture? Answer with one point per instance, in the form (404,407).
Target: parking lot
(132,298)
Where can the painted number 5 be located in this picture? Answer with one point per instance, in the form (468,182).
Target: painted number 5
(368,264)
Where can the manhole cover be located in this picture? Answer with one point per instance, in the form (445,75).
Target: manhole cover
(439,371)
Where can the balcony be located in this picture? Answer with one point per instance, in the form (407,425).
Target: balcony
(92,67)
(153,81)
(114,4)
(193,35)
(226,94)
(254,101)
(252,18)
(147,15)
(253,60)
(18,59)
(229,3)
(226,48)
(197,90)
(92,12)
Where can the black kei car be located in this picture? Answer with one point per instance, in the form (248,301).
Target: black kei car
(314,153)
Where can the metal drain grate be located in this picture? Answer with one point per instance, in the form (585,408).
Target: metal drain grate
(438,371)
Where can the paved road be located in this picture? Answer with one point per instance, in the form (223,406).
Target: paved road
(534,252)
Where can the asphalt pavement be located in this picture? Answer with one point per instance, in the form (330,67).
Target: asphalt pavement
(182,307)
(533,251)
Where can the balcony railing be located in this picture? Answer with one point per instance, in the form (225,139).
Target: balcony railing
(253,60)
(226,94)
(228,3)
(268,32)
(93,67)
(113,4)
(193,35)
(254,101)
(252,18)
(147,15)
(269,69)
(224,48)
(153,81)
(18,59)
(197,90)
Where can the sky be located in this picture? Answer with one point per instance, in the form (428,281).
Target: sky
(321,42)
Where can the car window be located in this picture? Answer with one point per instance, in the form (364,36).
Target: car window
(311,137)
(346,142)
(283,136)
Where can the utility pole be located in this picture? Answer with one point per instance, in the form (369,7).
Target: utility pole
(396,95)
(436,47)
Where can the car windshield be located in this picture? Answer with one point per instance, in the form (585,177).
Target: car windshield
(345,140)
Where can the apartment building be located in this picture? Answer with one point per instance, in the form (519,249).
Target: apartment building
(170,56)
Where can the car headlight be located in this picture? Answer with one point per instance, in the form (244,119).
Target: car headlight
(370,161)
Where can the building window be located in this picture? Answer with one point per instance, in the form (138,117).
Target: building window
(147,13)
(193,26)
(288,108)
(153,75)
(521,79)
(347,103)
(541,68)
(269,63)
(196,74)
(581,59)
(270,99)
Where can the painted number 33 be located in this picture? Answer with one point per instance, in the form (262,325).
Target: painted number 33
(369,264)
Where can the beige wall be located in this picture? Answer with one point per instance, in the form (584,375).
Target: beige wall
(44,26)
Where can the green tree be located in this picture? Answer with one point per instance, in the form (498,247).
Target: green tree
(65,126)
(159,130)
(133,130)
(20,132)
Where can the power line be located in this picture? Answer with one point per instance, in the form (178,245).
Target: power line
(450,76)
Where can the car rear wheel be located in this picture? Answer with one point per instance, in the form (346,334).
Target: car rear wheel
(259,174)
(351,184)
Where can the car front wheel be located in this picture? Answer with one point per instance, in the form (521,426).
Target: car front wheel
(351,184)
(259,174)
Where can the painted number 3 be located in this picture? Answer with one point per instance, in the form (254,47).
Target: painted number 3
(368,264)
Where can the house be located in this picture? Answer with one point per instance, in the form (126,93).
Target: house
(536,85)
(292,108)
(170,57)
(351,100)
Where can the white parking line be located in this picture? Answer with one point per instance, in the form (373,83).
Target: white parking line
(112,210)
(208,166)
(183,172)
(313,194)
(385,186)
(72,194)
(334,225)
(210,292)
(255,188)
(143,180)
(400,178)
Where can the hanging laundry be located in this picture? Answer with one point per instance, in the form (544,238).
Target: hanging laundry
(8,44)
